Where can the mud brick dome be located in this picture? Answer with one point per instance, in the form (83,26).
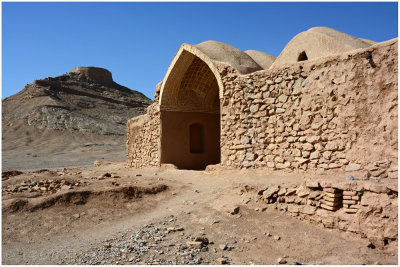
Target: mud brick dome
(318,42)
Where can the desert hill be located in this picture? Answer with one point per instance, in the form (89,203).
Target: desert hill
(83,108)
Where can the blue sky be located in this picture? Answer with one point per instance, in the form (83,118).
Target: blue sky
(137,41)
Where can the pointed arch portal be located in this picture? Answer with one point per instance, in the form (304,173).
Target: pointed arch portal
(190,111)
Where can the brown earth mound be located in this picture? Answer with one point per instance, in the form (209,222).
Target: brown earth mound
(80,197)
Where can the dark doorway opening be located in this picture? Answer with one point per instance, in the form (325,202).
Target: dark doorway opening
(196,136)
(302,56)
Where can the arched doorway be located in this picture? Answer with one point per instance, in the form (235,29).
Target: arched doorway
(190,114)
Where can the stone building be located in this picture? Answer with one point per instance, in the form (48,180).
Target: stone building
(329,101)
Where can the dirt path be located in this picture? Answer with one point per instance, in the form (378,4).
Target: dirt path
(196,201)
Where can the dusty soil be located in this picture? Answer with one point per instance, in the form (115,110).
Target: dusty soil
(148,216)
(31,159)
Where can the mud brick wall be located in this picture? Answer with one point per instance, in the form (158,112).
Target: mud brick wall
(363,207)
(333,113)
(143,140)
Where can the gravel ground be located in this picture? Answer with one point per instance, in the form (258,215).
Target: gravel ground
(151,244)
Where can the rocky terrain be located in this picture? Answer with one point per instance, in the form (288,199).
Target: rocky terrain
(108,214)
(83,110)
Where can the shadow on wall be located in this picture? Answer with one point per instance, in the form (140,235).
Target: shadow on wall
(190,140)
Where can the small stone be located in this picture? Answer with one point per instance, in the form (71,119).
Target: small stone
(349,193)
(221,261)
(254,108)
(233,210)
(313,139)
(270,100)
(246,201)
(301,192)
(270,192)
(297,91)
(76,215)
(223,246)
(310,210)
(331,146)
(302,160)
(312,184)
(315,155)
(277,237)
(282,98)
(282,261)
(203,240)
(352,167)
(350,210)
(308,147)
(245,140)
(290,192)
(194,244)
(65,187)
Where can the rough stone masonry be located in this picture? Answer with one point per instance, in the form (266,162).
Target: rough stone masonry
(336,112)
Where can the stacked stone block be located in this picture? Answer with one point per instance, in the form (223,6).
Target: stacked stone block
(332,199)
(351,201)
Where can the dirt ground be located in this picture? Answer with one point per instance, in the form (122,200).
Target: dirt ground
(149,216)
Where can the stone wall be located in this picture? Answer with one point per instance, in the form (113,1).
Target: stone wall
(143,139)
(336,113)
(333,113)
(367,208)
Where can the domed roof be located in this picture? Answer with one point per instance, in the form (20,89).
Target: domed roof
(318,42)
(222,52)
(263,59)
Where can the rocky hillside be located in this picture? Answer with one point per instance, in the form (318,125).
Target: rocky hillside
(69,120)
(84,100)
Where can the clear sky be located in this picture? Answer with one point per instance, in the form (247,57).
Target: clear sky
(137,41)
